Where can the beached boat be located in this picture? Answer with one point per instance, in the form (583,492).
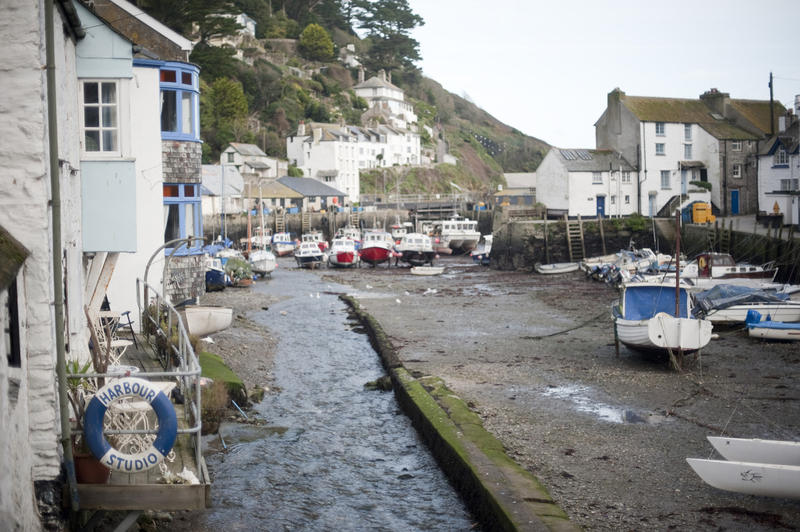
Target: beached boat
(353,233)
(398,230)
(556,267)
(416,249)
(771,330)
(456,235)
(282,244)
(427,270)
(757,450)
(645,319)
(215,274)
(482,252)
(708,269)
(262,261)
(309,255)
(377,247)
(202,320)
(343,253)
(726,303)
(771,480)
(315,236)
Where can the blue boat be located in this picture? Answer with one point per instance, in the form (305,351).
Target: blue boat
(771,330)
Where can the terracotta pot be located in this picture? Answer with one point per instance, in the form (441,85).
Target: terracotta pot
(89,470)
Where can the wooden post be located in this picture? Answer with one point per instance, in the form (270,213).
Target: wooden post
(600,220)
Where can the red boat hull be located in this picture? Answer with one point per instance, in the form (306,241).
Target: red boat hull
(375,255)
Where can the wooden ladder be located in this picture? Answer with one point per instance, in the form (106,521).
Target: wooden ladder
(354,219)
(280,222)
(305,222)
(725,238)
(575,244)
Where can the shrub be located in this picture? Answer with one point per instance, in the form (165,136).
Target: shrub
(315,43)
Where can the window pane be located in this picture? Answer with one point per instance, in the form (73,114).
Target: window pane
(109,116)
(189,213)
(172,224)
(186,78)
(110,140)
(169,112)
(92,140)
(109,93)
(168,76)
(189,191)
(90,93)
(186,112)
(170,191)
(91,117)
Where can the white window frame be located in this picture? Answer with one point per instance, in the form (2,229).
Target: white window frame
(736,145)
(665,180)
(100,128)
(597,178)
(781,157)
(661,149)
(661,129)
(736,171)
(626,176)
(687,151)
(687,131)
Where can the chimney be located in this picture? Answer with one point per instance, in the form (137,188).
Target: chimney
(317,134)
(797,105)
(361,74)
(781,124)
(301,129)
(389,79)
(382,74)
(715,100)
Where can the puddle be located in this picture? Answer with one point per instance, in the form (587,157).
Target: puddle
(580,398)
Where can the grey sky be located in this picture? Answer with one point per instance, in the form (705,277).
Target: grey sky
(545,68)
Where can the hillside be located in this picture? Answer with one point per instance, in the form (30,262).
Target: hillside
(258,88)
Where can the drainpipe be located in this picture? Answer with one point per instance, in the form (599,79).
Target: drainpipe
(58,281)
(725,178)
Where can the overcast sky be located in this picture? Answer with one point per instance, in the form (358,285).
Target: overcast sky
(546,67)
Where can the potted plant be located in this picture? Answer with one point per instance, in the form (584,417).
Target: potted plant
(88,469)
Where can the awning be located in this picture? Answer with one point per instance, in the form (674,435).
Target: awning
(691,164)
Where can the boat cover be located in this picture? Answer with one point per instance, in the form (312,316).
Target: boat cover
(644,302)
(727,295)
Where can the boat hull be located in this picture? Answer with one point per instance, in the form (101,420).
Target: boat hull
(664,333)
(771,480)
(343,259)
(427,270)
(262,262)
(309,261)
(784,312)
(203,320)
(557,267)
(765,332)
(757,450)
(417,258)
(375,254)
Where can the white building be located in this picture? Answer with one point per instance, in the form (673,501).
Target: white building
(384,97)
(586,183)
(779,171)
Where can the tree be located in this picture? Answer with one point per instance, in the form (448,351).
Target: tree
(211,18)
(388,24)
(223,114)
(315,43)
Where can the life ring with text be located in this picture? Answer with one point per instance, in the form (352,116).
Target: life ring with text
(701,262)
(96,411)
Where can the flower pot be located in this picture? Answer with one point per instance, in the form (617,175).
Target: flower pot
(89,470)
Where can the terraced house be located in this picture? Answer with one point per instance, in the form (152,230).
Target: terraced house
(684,146)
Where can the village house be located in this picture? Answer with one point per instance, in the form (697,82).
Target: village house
(579,182)
(779,170)
(221,195)
(316,196)
(384,97)
(673,142)
(520,189)
(253,164)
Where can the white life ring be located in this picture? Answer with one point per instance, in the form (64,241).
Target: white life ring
(96,411)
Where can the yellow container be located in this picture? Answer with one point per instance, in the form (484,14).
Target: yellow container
(701,213)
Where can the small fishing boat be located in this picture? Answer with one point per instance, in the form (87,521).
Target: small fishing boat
(377,247)
(316,237)
(772,480)
(427,270)
(416,249)
(262,261)
(343,253)
(353,233)
(308,255)
(709,269)
(556,267)
(456,235)
(480,254)
(202,320)
(282,244)
(215,274)
(771,330)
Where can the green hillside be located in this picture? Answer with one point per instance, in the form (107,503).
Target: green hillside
(289,72)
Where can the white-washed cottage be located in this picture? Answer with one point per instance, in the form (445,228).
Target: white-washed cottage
(384,97)
(579,182)
(779,170)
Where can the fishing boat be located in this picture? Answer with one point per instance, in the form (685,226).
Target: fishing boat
(262,261)
(215,274)
(315,236)
(708,269)
(645,319)
(353,233)
(398,230)
(726,303)
(556,267)
(427,270)
(343,253)
(753,478)
(309,255)
(456,235)
(377,247)
(771,330)
(480,254)
(202,320)
(416,249)
(282,244)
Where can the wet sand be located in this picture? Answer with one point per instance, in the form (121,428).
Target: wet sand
(534,356)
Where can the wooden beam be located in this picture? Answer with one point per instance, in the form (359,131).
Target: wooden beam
(142,496)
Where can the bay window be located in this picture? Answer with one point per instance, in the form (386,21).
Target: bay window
(182,213)
(179,101)
(100,117)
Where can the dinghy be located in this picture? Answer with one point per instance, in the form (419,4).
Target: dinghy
(772,480)
(427,270)
(556,267)
(756,450)
(770,330)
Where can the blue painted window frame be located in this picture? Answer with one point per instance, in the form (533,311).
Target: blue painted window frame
(180,89)
(182,200)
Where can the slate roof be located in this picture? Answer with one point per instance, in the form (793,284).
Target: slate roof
(789,139)
(757,112)
(309,187)
(581,160)
(376,82)
(273,189)
(257,164)
(248,149)
(212,181)
(692,111)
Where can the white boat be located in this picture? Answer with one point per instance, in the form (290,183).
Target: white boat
(757,450)
(644,319)
(377,247)
(282,244)
(458,235)
(309,255)
(427,270)
(353,233)
(772,480)
(726,303)
(556,267)
(343,253)
(398,230)
(481,254)
(416,249)
(771,330)
(202,320)
(262,261)
(315,236)
(710,269)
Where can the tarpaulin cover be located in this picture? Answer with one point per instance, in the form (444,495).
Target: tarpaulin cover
(644,302)
(727,295)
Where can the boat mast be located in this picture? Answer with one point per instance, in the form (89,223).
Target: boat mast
(677,263)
